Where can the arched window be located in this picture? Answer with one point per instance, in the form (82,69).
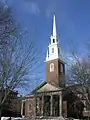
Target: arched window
(51,67)
(53,40)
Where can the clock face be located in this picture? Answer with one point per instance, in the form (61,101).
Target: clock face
(51,67)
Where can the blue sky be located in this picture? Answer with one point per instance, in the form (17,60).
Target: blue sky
(73,23)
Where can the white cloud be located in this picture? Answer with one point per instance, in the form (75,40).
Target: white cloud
(31,7)
(3,1)
(34,8)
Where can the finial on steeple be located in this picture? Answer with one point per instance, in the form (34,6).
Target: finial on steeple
(54,26)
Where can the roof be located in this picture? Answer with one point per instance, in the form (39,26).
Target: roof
(44,87)
(38,87)
(48,88)
(35,90)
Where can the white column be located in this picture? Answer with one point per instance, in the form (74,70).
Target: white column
(42,105)
(35,105)
(22,109)
(51,105)
(60,104)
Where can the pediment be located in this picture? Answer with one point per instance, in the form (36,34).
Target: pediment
(48,88)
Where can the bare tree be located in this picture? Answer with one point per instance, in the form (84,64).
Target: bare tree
(78,77)
(18,57)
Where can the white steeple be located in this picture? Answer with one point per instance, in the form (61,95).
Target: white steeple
(53,51)
(47,55)
(54,27)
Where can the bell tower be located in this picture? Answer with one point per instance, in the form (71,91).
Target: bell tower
(55,68)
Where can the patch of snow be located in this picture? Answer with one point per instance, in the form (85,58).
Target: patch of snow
(5,118)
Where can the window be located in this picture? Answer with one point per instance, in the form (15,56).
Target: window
(62,69)
(53,40)
(51,67)
(52,50)
(30,106)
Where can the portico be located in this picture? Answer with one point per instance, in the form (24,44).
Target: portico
(48,101)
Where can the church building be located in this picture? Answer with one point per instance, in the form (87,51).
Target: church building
(50,99)
(46,99)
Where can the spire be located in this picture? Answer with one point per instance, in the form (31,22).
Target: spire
(53,48)
(54,26)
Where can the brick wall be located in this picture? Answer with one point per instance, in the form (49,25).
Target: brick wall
(29,107)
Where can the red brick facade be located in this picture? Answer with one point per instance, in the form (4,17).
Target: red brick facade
(55,77)
(28,107)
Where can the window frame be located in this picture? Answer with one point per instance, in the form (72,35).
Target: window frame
(51,67)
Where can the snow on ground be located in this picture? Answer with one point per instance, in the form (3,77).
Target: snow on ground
(12,118)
